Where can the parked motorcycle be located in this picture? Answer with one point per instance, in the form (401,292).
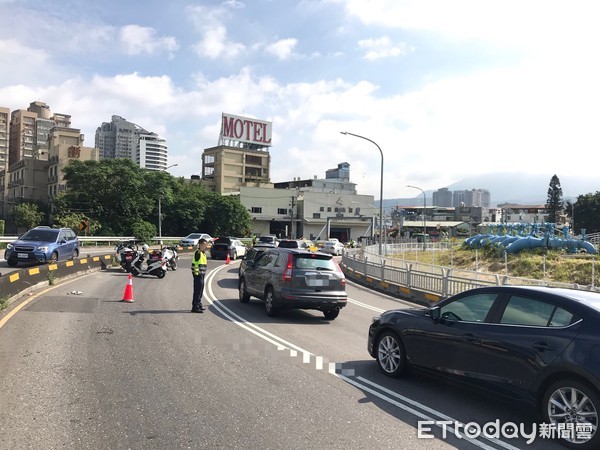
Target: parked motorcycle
(126,253)
(170,256)
(155,264)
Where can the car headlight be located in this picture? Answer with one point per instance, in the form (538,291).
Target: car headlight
(9,246)
(43,248)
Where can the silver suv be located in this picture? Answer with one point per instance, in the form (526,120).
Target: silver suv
(287,278)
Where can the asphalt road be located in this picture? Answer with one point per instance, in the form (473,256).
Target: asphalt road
(89,371)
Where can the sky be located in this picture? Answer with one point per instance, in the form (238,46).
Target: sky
(446,89)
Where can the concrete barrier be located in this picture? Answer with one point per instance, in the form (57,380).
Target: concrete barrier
(20,282)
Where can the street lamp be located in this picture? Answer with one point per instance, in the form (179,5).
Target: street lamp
(380,189)
(424,207)
(159,210)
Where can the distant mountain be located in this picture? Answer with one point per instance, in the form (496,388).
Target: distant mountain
(522,188)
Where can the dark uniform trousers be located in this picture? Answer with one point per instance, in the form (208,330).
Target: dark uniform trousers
(198,291)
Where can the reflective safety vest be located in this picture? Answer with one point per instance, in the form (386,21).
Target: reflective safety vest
(199,263)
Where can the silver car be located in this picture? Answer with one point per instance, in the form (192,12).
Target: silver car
(192,239)
(287,278)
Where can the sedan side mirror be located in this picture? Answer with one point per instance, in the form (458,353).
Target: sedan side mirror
(434,313)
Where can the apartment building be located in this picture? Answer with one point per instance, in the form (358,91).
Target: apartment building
(151,152)
(64,146)
(29,130)
(118,138)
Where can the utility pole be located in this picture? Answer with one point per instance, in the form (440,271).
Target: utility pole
(292,232)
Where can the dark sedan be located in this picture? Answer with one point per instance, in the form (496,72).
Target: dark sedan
(534,344)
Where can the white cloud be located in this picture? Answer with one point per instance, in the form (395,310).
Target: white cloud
(21,63)
(283,48)
(214,42)
(382,48)
(137,39)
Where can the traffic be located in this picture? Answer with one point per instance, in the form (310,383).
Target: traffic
(149,374)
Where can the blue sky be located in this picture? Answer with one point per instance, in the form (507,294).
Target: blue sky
(447,89)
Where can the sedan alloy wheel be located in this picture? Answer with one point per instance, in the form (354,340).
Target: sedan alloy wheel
(576,406)
(390,354)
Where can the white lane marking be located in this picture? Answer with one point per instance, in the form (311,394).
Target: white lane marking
(332,368)
(366,306)
(426,408)
(406,408)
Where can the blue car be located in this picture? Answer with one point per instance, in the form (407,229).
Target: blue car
(42,245)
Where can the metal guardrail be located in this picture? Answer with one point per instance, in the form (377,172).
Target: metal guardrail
(106,240)
(431,279)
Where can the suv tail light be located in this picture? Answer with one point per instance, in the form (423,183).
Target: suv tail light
(287,273)
(343,280)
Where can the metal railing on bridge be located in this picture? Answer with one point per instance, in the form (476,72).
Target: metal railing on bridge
(433,279)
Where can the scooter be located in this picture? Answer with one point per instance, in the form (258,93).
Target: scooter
(155,264)
(126,253)
(170,256)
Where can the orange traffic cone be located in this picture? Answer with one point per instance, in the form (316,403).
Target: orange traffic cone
(227,259)
(128,294)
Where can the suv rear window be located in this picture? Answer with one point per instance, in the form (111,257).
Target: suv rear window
(313,261)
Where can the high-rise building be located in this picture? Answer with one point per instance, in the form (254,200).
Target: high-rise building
(4,134)
(151,152)
(473,197)
(29,130)
(22,135)
(118,138)
(442,197)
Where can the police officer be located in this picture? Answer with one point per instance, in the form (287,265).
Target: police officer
(198,271)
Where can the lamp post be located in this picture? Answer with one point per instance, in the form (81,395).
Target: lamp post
(424,207)
(159,211)
(380,189)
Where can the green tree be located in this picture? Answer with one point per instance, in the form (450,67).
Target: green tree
(112,193)
(144,231)
(554,204)
(587,212)
(227,216)
(72,220)
(119,196)
(27,215)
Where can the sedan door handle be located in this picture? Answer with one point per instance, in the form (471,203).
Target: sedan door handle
(542,347)
(468,337)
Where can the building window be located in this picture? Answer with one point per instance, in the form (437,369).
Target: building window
(350,210)
(281,211)
(256,210)
(251,159)
(316,215)
(322,208)
(329,209)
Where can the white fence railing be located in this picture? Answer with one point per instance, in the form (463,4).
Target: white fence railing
(437,280)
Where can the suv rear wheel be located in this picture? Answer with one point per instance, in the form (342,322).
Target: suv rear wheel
(75,254)
(244,296)
(270,308)
(331,314)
